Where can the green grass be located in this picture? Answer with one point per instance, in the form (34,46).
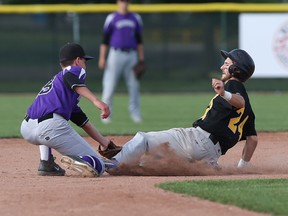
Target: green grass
(160,111)
(260,195)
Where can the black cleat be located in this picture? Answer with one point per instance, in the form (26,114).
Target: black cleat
(50,168)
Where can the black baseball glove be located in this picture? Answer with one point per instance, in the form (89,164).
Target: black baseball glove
(139,69)
(111,150)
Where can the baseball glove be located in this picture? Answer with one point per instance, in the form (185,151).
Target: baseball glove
(139,69)
(111,150)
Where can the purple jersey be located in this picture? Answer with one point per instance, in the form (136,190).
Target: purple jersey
(58,96)
(122,29)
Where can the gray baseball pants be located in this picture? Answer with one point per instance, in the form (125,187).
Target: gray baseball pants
(189,143)
(57,134)
(120,63)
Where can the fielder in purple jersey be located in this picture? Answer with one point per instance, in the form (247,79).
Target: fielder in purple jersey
(46,122)
(123,34)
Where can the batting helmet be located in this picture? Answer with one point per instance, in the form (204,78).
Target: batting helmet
(243,65)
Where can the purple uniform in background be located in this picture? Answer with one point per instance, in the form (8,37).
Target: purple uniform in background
(122,33)
(122,29)
(58,96)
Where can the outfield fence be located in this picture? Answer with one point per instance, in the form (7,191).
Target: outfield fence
(182,41)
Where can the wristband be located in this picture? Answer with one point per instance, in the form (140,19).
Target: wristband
(242,163)
(227,95)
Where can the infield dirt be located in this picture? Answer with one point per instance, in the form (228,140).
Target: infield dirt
(130,190)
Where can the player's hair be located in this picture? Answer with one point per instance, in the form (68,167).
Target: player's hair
(67,63)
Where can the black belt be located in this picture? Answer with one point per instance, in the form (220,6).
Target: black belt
(124,49)
(213,139)
(43,118)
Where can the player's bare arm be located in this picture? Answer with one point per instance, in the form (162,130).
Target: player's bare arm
(140,50)
(102,56)
(235,100)
(248,150)
(96,135)
(85,92)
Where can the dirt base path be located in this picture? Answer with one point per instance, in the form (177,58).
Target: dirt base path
(25,193)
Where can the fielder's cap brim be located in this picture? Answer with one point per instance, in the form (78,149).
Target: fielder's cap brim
(88,57)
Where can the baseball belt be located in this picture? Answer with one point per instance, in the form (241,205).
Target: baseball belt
(43,118)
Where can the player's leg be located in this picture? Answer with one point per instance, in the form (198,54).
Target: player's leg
(29,131)
(47,166)
(133,149)
(110,78)
(57,133)
(143,142)
(188,143)
(133,86)
(206,149)
(194,145)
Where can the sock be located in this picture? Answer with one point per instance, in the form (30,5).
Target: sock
(94,162)
(45,152)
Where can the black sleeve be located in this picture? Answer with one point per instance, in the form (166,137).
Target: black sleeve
(138,38)
(106,39)
(79,118)
(71,80)
(249,127)
(235,87)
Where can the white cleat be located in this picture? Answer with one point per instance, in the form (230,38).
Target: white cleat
(77,164)
(136,119)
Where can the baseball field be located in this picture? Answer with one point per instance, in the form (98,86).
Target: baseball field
(147,190)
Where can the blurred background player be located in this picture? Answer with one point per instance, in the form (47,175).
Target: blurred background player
(123,35)
(46,122)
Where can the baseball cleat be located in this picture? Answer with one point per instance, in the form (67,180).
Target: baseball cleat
(50,168)
(110,164)
(77,164)
(136,119)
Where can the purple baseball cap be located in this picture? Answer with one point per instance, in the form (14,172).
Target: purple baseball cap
(71,51)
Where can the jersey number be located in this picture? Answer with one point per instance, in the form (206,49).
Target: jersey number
(235,125)
(47,88)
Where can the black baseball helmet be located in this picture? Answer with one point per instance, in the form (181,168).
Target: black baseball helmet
(243,65)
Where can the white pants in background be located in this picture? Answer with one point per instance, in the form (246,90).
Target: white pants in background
(120,63)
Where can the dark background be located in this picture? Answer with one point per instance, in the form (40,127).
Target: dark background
(181,49)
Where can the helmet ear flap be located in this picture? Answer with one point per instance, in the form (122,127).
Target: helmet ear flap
(233,69)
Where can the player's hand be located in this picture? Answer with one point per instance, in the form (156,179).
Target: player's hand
(105,111)
(218,86)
